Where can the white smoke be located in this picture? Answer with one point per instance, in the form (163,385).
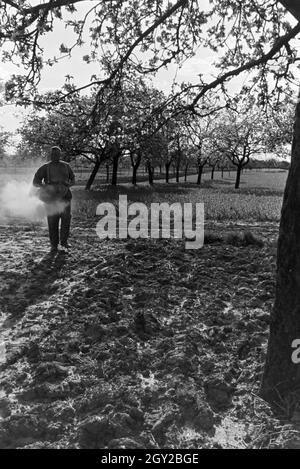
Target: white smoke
(19,200)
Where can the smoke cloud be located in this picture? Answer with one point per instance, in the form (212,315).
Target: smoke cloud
(19,200)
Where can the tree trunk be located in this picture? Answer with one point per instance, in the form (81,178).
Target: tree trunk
(150,173)
(134,174)
(238,177)
(186,172)
(199,178)
(135,166)
(177,173)
(93,175)
(114,178)
(281,376)
(107,173)
(222,173)
(167,165)
(212,173)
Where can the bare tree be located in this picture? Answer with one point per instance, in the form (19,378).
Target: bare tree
(200,133)
(239,136)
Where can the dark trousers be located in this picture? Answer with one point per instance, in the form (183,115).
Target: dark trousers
(64,215)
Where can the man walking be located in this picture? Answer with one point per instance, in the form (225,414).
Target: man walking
(54,180)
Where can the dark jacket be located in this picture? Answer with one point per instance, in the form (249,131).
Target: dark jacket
(56,178)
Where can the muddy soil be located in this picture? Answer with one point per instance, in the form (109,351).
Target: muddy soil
(135,344)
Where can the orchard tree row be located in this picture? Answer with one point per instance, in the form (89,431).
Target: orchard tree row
(136,127)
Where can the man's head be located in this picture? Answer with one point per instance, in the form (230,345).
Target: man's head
(55,154)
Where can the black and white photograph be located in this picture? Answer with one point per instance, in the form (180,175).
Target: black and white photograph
(149,228)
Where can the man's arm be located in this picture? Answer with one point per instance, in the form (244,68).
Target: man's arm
(71,176)
(39,177)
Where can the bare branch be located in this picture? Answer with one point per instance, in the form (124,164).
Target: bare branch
(281,42)
(293,7)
